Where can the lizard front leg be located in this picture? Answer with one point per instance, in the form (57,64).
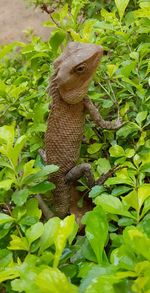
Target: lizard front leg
(77,172)
(97,118)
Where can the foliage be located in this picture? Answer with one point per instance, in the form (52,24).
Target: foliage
(49,256)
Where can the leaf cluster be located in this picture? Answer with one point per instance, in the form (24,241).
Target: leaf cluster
(114,254)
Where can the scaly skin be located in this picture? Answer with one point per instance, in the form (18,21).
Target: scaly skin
(69,85)
(73,72)
(63,138)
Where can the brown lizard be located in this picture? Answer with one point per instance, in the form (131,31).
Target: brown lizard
(73,71)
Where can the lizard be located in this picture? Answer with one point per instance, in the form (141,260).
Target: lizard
(73,70)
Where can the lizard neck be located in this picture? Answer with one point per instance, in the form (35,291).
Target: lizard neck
(57,99)
(54,92)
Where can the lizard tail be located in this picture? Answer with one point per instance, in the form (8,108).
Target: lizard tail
(61,198)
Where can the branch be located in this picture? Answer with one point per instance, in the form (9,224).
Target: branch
(49,11)
(107,175)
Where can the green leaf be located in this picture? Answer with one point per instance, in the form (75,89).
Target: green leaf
(94,148)
(127,130)
(146,207)
(34,232)
(117,151)
(51,229)
(137,241)
(42,187)
(102,284)
(96,231)
(76,7)
(132,200)
(7,134)
(6,184)
(17,149)
(40,175)
(112,205)
(129,153)
(18,243)
(143,193)
(119,190)
(9,273)
(33,209)
(57,39)
(6,258)
(123,258)
(19,197)
(111,69)
(28,169)
(96,190)
(145,225)
(51,280)
(145,168)
(107,104)
(5,219)
(65,230)
(121,6)
(141,116)
(141,13)
(103,166)
(127,67)
(96,273)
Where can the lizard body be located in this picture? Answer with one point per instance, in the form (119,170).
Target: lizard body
(73,71)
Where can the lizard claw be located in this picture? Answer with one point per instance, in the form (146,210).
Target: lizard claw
(42,154)
(118,122)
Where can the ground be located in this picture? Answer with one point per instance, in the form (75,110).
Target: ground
(16,16)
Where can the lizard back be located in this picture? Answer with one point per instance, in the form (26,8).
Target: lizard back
(69,85)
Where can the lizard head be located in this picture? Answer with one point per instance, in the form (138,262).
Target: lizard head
(75,68)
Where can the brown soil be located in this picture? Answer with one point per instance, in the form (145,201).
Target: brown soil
(16,17)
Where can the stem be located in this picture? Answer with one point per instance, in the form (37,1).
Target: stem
(49,11)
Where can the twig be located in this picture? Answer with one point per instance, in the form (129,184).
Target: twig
(49,11)
(107,175)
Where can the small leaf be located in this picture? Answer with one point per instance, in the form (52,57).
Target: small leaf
(143,193)
(121,6)
(94,148)
(137,241)
(96,231)
(119,190)
(18,243)
(19,197)
(129,153)
(39,175)
(50,232)
(65,230)
(111,69)
(42,187)
(7,134)
(17,149)
(56,39)
(34,232)
(33,209)
(141,116)
(117,151)
(103,166)
(123,258)
(5,219)
(112,205)
(96,190)
(6,184)
(127,129)
(51,280)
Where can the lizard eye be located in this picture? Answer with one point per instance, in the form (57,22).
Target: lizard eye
(81,68)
